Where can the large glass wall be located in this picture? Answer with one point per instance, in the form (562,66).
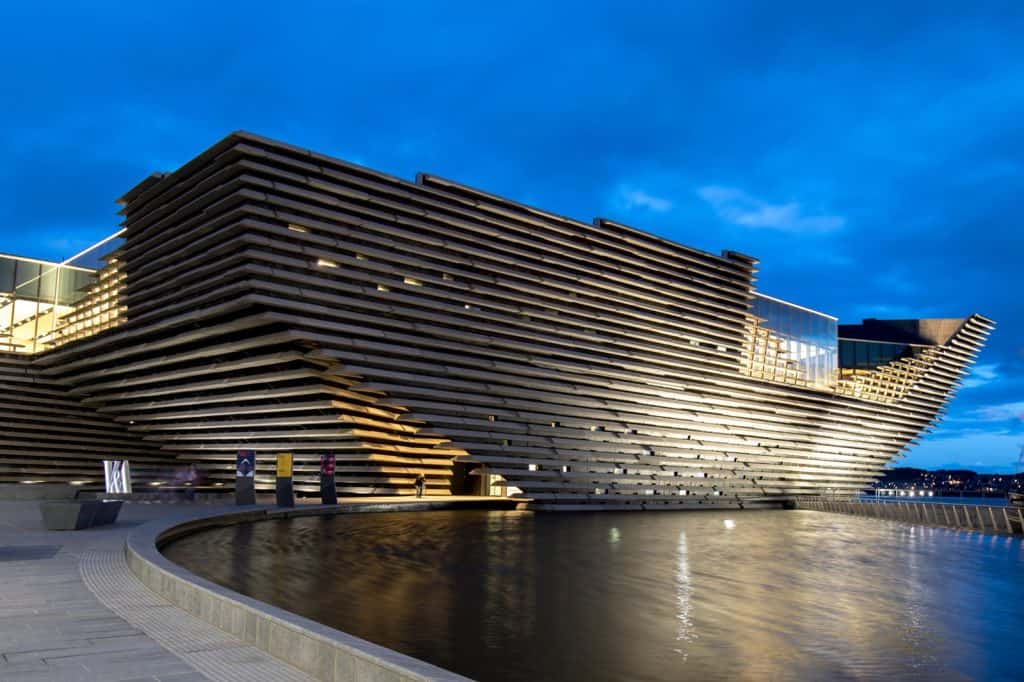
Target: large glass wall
(806,337)
(857,354)
(36,296)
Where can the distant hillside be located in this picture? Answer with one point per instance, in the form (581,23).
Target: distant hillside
(953,480)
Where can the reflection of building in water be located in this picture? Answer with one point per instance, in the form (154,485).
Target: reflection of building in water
(268,298)
(684,598)
(520,596)
(768,600)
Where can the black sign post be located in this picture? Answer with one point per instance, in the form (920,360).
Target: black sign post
(245,477)
(328,492)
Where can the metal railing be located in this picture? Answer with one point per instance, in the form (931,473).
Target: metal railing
(977,517)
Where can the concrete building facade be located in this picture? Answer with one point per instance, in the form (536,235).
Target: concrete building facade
(267,298)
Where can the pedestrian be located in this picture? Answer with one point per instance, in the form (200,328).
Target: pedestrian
(191,481)
(421,483)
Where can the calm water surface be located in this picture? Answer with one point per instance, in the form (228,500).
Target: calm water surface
(660,596)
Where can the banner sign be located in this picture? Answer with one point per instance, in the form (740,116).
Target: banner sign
(328,492)
(245,477)
(245,465)
(283,486)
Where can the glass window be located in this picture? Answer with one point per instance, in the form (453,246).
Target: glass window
(807,337)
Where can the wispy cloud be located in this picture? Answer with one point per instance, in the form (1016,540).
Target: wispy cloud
(1000,412)
(735,206)
(981,375)
(630,198)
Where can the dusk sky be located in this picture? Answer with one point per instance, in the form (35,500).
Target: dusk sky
(871,156)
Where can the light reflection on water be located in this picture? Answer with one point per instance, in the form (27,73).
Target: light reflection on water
(641,596)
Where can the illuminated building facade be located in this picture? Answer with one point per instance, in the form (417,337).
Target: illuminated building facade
(267,298)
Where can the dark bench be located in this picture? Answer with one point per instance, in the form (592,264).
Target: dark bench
(79,514)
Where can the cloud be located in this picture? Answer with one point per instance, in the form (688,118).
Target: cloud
(981,375)
(637,198)
(1000,412)
(739,208)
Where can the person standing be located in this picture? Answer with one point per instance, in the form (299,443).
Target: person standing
(421,483)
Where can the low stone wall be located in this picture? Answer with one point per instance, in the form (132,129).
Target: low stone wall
(37,491)
(320,651)
(984,518)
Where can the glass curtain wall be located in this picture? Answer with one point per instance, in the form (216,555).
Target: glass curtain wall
(867,355)
(807,337)
(35,295)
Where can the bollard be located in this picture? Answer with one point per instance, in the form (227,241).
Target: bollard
(245,477)
(283,487)
(328,491)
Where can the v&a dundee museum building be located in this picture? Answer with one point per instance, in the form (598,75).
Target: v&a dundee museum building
(266,298)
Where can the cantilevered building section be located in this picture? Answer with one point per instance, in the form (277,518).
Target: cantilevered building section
(267,298)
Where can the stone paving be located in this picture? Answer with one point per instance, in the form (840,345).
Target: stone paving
(71,610)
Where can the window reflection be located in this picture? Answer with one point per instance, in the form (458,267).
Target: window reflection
(43,304)
(857,354)
(799,343)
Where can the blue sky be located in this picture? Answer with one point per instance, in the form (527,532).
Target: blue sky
(871,155)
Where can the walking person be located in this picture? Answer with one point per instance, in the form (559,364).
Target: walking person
(191,481)
(421,483)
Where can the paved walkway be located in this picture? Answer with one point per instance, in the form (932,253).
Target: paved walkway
(70,609)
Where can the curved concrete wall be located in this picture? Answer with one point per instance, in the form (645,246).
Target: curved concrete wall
(320,651)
